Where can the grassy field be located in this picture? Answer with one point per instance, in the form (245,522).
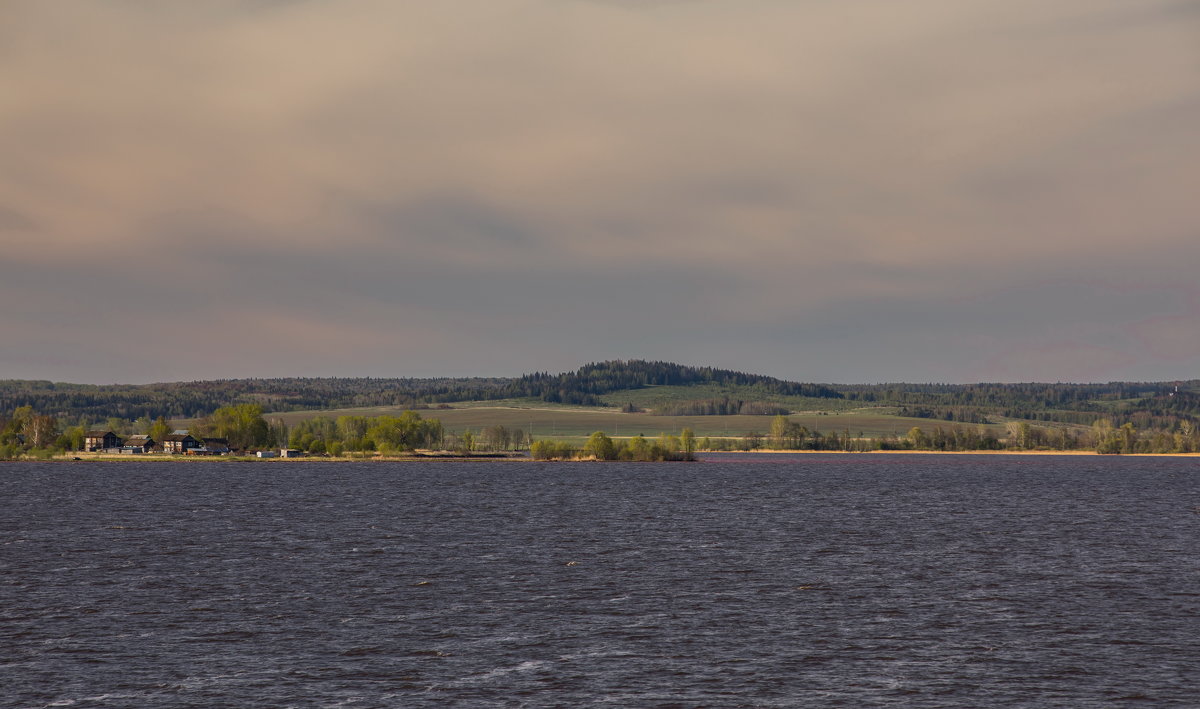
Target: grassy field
(570,422)
(652,396)
(577,422)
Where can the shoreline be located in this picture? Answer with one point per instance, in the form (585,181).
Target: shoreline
(518,457)
(81,457)
(974,452)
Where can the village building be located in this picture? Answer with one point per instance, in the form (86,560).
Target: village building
(217,446)
(100,440)
(179,443)
(138,445)
(211,446)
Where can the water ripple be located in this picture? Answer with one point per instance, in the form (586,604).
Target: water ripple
(766,582)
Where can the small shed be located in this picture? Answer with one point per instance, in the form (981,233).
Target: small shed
(290,453)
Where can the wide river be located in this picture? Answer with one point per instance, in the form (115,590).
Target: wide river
(753,581)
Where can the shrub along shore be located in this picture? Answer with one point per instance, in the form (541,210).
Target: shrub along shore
(571,455)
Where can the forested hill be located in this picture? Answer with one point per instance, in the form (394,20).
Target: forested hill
(1150,405)
(199,398)
(592,380)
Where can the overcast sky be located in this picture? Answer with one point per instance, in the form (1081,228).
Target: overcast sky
(820,190)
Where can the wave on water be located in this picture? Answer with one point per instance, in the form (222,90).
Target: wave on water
(934,581)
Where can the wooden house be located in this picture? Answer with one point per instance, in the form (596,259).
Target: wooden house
(210,446)
(216,446)
(179,443)
(100,440)
(138,444)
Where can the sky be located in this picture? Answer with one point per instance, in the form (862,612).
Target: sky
(844,191)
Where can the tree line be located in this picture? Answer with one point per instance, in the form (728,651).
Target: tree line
(725,406)
(26,433)
(387,435)
(1104,436)
(601,446)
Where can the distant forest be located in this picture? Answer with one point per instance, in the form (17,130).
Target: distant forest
(1153,405)
(200,398)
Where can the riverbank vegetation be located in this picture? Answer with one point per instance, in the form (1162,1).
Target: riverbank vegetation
(601,446)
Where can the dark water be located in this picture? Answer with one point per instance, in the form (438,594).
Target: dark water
(854,581)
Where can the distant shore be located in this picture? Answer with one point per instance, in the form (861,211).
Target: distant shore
(81,457)
(450,456)
(974,452)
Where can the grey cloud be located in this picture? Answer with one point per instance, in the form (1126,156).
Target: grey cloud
(643,4)
(454,222)
(1120,16)
(13,220)
(735,181)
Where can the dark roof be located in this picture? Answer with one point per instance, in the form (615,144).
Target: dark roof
(138,440)
(98,434)
(178,437)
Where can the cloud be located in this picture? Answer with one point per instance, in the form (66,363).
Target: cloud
(686,180)
(12,220)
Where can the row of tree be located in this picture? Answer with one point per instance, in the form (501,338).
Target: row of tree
(244,427)
(26,431)
(725,406)
(386,434)
(1102,437)
(600,446)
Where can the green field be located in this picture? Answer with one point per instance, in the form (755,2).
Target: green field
(652,396)
(578,422)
